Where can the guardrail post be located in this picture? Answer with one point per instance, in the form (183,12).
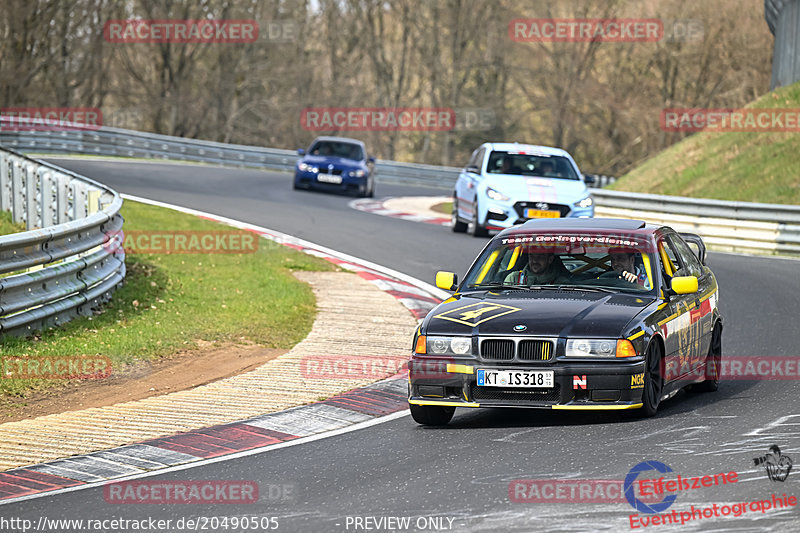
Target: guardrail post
(78,200)
(17,192)
(49,203)
(5,183)
(31,198)
(62,198)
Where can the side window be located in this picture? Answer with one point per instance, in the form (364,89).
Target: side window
(477,159)
(691,266)
(669,259)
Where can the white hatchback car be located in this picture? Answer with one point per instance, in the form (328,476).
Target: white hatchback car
(509,183)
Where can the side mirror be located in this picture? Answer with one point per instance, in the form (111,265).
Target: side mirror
(446,280)
(473,170)
(300,151)
(371,159)
(684,284)
(589,179)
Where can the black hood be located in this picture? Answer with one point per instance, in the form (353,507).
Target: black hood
(548,313)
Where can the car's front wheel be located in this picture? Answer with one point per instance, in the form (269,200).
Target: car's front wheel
(477,229)
(456,225)
(431,415)
(653,381)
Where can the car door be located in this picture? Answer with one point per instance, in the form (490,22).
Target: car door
(701,315)
(678,337)
(466,186)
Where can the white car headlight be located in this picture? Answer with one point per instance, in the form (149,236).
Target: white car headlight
(591,348)
(586,202)
(305,167)
(496,195)
(357,173)
(449,346)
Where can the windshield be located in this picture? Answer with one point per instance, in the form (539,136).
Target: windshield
(597,261)
(344,150)
(527,164)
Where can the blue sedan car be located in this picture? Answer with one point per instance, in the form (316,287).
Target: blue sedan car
(509,183)
(336,163)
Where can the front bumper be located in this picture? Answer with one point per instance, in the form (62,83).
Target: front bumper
(502,215)
(609,385)
(309,179)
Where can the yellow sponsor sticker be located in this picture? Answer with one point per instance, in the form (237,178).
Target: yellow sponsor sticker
(477,313)
(637,381)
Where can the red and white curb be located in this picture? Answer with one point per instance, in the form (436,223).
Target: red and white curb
(378,207)
(349,411)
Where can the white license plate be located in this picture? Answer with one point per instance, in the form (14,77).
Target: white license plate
(525,379)
(329,178)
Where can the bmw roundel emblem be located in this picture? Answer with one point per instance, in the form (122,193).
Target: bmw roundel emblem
(520,327)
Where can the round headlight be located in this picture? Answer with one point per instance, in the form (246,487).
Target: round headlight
(606,348)
(439,346)
(461,345)
(582,347)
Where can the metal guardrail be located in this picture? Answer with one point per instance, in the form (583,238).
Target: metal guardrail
(70,259)
(735,226)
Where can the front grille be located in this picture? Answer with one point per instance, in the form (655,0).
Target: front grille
(535,350)
(515,395)
(508,350)
(497,350)
(520,208)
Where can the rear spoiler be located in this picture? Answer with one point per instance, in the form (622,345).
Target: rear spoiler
(695,239)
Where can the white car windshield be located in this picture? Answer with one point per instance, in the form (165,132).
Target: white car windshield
(526,164)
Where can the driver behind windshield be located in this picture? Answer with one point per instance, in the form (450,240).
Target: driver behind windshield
(542,268)
(624,262)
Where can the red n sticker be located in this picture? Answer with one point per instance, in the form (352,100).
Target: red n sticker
(579,382)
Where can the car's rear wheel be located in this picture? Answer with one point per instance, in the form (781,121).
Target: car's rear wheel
(455,223)
(477,229)
(713,363)
(431,415)
(653,381)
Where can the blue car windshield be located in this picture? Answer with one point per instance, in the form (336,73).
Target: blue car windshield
(344,150)
(526,164)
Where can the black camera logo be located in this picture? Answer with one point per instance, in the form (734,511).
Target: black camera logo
(776,464)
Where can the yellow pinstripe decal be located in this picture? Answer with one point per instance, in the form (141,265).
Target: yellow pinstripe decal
(596,407)
(636,335)
(670,317)
(662,306)
(444,404)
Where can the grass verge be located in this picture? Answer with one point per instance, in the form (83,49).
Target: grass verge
(751,167)
(171,302)
(7,224)
(445,208)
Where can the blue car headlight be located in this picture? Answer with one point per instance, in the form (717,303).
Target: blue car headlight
(357,173)
(305,167)
(586,202)
(496,195)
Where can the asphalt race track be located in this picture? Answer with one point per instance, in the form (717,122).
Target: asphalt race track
(457,478)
